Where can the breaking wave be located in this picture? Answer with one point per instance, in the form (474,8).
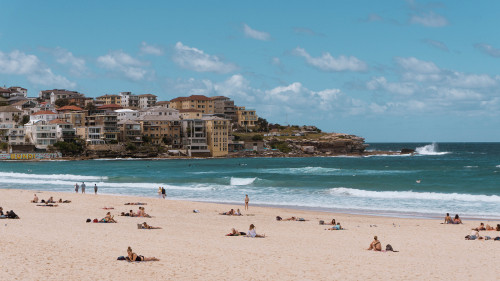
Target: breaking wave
(242,181)
(430,149)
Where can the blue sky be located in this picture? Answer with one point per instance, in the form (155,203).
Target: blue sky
(391,71)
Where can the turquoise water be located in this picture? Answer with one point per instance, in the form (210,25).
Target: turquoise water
(453,177)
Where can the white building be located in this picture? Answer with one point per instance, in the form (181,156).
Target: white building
(129,100)
(44,115)
(127,114)
(147,100)
(41,134)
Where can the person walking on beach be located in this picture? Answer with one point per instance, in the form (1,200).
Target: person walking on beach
(246,201)
(76,187)
(83,187)
(95,188)
(163,193)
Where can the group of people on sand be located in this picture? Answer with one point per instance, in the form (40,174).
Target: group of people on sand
(48,201)
(251,233)
(449,220)
(232,213)
(140,213)
(476,235)
(8,215)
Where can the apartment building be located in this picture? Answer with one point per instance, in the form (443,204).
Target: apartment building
(44,115)
(246,117)
(147,100)
(105,124)
(194,138)
(127,114)
(41,133)
(110,99)
(224,107)
(199,102)
(130,131)
(217,132)
(162,130)
(190,114)
(12,133)
(10,114)
(129,100)
(55,94)
(64,130)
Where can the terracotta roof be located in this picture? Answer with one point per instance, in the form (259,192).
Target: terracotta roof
(162,102)
(110,106)
(147,95)
(58,121)
(69,107)
(41,112)
(198,97)
(3,90)
(60,91)
(219,97)
(105,96)
(189,110)
(179,99)
(9,108)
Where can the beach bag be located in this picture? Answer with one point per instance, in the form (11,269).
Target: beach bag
(388,248)
(121,258)
(497,238)
(89,220)
(321,222)
(278,218)
(96,220)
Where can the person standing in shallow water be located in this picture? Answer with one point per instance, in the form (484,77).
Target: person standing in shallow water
(95,188)
(246,201)
(83,187)
(163,192)
(76,187)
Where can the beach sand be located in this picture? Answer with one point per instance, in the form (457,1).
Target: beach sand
(57,244)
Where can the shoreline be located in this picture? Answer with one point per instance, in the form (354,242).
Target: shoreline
(288,208)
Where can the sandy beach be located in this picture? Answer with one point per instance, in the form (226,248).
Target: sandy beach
(56,243)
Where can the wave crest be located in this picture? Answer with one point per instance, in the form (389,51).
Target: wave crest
(430,149)
(242,181)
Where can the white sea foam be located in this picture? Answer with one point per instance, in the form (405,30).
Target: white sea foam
(389,195)
(303,170)
(470,167)
(242,181)
(498,166)
(430,149)
(53,176)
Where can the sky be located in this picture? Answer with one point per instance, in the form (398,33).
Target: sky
(388,71)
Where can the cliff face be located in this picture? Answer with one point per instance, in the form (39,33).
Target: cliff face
(329,144)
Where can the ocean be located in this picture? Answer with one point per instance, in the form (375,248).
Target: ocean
(459,178)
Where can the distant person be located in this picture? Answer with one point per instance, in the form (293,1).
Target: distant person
(448,219)
(95,188)
(375,244)
(35,199)
(83,187)
(131,256)
(76,187)
(163,193)
(252,233)
(159,191)
(246,201)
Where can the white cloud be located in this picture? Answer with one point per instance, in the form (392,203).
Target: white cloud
(328,63)
(418,66)
(488,49)
(19,63)
(436,44)
(65,57)
(124,64)
(150,49)
(255,34)
(429,19)
(378,83)
(197,60)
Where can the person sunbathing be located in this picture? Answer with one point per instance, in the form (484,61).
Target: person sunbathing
(142,213)
(336,227)
(448,219)
(235,232)
(290,219)
(480,227)
(457,220)
(144,225)
(35,199)
(108,218)
(51,200)
(136,203)
(131,256)
(375,245)
(489,228)
(230,213)
(238,213)
(498,227)
(252,233)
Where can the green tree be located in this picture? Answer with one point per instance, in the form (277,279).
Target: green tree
(257,137)
(61,102)
(24,120)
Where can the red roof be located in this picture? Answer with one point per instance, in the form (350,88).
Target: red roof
(162,102)
(189,110)
(41,112)
(179,99)
(69,107)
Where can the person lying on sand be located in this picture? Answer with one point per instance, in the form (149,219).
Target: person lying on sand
(137,203)
(474,235)
(235,232)
(131,256)
(144,225)
(230,213)
(291,219)
(47,205)
(50,200)
(108,218)
(35,199)
(252,233)
(65,201)
(480,227)
(336,227)
(375,245)
(8,215)
(238,213)
(142,213)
